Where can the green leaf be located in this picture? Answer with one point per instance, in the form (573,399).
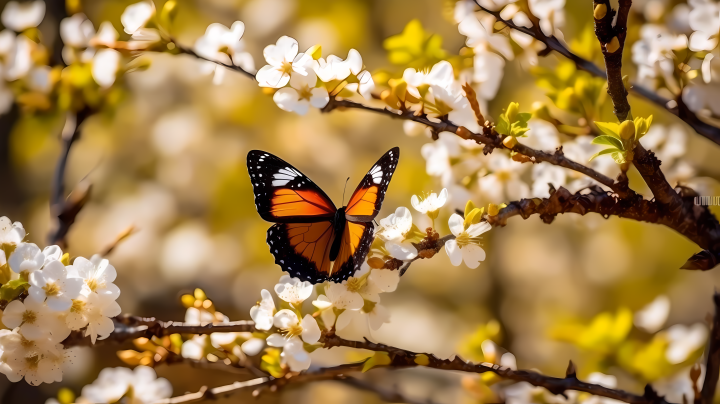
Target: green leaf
(12,289)
(415,47)
(503,127)
(524,117)
(602,152)
(609,141)
(609,128)
(619,157)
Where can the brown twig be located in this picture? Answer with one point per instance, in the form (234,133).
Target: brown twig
(129,327)
(553,44)
(427,249)
(712,368)
(612,39)
(66,210)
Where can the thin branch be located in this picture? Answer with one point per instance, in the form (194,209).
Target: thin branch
(404,358)
(216,392)
(612,39)
(66,210)
(712,369)
(489,137)
(426,249)
(188,51)
(552,43)
(129,327)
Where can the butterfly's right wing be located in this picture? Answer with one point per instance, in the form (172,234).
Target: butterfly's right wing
(285,195)
(303,249)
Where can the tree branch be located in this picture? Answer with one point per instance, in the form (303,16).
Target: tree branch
(712,369)
(612,39)
(489,137)
(131,327)
(552,43)
(67,210)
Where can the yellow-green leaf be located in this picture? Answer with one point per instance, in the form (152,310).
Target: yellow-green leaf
(378,359)
(609,141)
(609,128)
(12,289)
(603,152)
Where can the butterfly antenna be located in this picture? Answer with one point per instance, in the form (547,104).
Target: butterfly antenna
(346,181)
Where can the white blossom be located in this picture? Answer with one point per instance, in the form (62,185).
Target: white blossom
(374,314)
(335,68)
(30,315)
(292,290)
(503,183)
(704,19)
(683,341)
(262,314)
(293,354)
(52,285)
(652,317)
(289,323)
(76,30)
(225,45)
(97,275)
(27,258)
(21,16)
(301,94)
(393,230)
(113,383)
(105,66)
(95,312)
(11,233)
(283,60)
(24,357)
(431,203)
(136,16)
(466,245)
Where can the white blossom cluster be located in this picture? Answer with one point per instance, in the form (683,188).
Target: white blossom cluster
(60,298)
(138,386)
(689,28)
(355,301)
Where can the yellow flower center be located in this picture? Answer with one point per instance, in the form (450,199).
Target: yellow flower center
(305,93)
(354,284)
(294,330)
(502,175)
(51,289)
(29,317)
(368,306)
(465,239)
(32,362)
(286,67)
(92,284)
(78,306)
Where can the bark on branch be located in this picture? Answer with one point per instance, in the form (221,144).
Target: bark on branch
(712,369)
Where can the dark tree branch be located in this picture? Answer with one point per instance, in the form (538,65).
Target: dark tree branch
(426,249)
(489,137)
(712,369)
(188,51)
(131,327)
(553,44)
(66,210)
(612,39)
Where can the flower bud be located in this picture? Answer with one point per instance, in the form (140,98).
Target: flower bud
(627,130)
(600,11)
(510,142)
(613,45)
(376,263)
(512,111)
(493,209)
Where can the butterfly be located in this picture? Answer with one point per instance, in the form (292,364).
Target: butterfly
(311,238)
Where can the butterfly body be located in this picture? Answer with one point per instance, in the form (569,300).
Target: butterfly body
(311,238)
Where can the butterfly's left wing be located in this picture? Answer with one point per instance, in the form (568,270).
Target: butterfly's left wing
(365,202)
(354,246)
(285,195)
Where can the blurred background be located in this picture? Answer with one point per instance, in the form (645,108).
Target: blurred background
(170,161)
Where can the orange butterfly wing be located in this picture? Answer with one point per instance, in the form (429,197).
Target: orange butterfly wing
(283,194)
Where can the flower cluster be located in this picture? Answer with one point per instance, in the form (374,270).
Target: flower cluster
(306,79)
(48,298)
(354,302)
(138,386)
